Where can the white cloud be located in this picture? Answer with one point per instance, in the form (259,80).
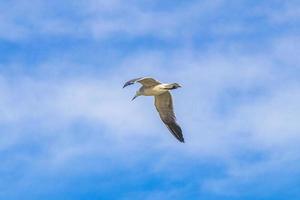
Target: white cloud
(284,12)
(233,103)
(101,19)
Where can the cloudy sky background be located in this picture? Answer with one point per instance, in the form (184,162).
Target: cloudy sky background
(69,131)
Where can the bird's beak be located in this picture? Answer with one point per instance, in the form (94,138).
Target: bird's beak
(134,97)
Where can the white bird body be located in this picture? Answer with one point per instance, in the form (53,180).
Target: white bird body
(154,90)
(163,101)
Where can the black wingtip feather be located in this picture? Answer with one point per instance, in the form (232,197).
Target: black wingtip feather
(131,82)
(176,131)
(127,84)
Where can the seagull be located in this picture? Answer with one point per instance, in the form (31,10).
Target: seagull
(163,101)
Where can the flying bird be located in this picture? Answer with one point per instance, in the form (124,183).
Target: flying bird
(163,101)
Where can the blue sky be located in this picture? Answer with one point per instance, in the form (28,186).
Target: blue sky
(69,131)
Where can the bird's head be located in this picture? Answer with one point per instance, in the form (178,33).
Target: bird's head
(176,85)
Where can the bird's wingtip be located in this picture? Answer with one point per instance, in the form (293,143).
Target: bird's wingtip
(127,84)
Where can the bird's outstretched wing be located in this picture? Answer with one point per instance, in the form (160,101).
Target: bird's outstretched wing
(145,81)
(164,106)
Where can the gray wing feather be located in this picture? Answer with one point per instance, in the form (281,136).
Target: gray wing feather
(145,81)
(164,106)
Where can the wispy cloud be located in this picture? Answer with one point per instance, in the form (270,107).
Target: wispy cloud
(67,119)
